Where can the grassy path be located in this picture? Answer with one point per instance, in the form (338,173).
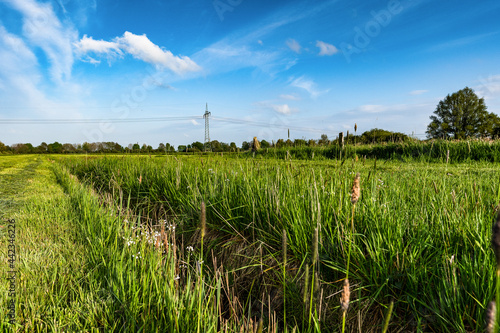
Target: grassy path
(75,270)
(51,291)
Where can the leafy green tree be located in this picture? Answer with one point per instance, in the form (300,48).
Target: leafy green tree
(55,148)
(42,148)
(324,140)
(460,115)
(198,146)
(265,144)
(377,135)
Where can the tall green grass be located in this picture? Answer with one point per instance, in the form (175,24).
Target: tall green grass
(421,232)
(428,151)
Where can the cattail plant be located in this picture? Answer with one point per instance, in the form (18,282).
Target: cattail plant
(355,195)
(315,281)
(284,249)
(388,317)
(495,243)
(346,296)
(491,313)
(203,218)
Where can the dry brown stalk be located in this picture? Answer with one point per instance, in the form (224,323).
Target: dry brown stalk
(356,189)
(203,219)
(346,296)
(490,317)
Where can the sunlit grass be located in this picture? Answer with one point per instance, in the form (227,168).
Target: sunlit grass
(421,230)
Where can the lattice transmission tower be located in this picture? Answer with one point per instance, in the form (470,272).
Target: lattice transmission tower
(207,130)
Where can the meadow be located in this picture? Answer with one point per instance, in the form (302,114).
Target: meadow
(240,243)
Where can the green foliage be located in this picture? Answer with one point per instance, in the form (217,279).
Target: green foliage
(428,151)
(379,136)
(462,115)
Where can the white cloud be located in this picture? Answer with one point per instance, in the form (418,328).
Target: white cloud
(21,94)
(326,49)
(376,108)
(140,47)
(418,92)
(290,97)
(194,122)
(370,108)
(306,84)
(88,44)
(44,30)
(283,109)
(489,87)
(293,45)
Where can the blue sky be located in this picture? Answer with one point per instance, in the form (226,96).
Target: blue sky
(312,66)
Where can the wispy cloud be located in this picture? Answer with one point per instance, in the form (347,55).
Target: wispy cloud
(377,108)
(326,49)
(306,84)
(459,42)
(236,51)
(43,29)
(293,45)
(283,109)
(418,92)
(290,97)
(141,48)
(488,87)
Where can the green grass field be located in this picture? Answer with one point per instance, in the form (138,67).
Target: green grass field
(116,244)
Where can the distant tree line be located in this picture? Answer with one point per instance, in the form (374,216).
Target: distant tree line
(372,136)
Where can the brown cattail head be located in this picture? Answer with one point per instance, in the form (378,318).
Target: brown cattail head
(495,238)
(356,189)
(355,127)
(203,219)
(346,296)
(491,312)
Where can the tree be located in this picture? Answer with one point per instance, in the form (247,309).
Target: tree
(198,146)
(3,147)
(460,115)
(265,144)
(324,140)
